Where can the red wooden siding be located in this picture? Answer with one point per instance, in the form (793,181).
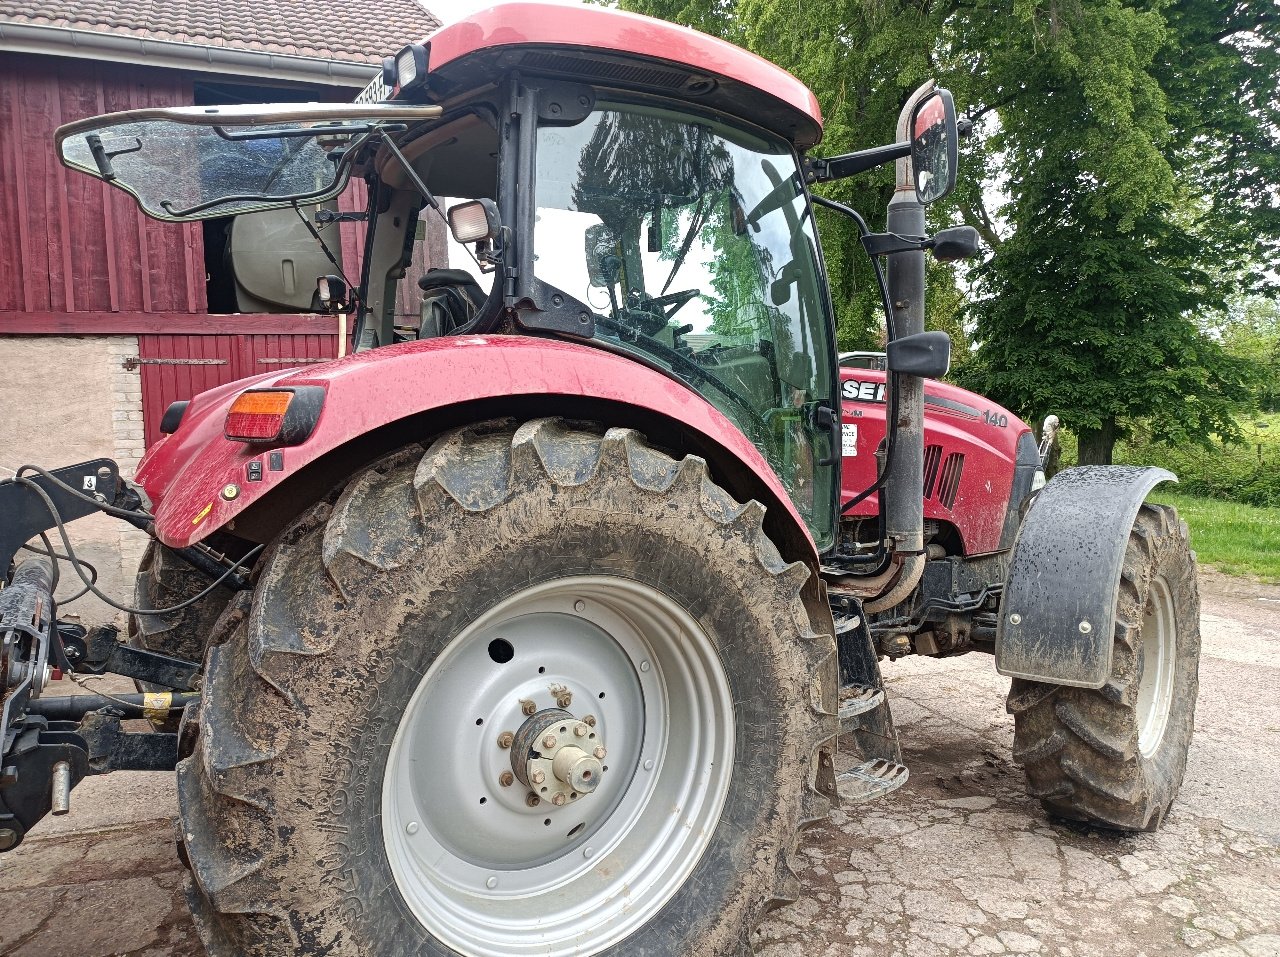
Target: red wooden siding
(177,367)
(80,245)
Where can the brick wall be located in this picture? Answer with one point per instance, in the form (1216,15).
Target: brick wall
(65,400)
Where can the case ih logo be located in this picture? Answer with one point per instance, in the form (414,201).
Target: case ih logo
(856,391)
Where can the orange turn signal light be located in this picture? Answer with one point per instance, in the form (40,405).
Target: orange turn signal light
(277,416)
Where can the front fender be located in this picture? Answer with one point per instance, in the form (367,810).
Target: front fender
(199,479)
(1057,613)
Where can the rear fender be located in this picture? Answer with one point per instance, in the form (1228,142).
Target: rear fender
(385,398)
(1058,609)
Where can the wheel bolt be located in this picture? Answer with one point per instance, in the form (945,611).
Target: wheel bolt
(527,706)
(537,777)
(558,800)
(564,699)
(599,753)
(505,739)
(532,799)
(549,741)
(579,730)
(589,721)
(506,779)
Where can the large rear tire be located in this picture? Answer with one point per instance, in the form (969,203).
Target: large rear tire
(350,792)
(1115,756)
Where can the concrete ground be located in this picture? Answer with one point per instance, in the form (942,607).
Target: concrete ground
(957,862)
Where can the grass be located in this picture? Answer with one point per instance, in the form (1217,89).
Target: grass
(1233,538)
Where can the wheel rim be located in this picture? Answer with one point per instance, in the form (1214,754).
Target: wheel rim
(1155,687)
(483,871)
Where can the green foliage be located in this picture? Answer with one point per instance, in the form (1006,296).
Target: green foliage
(1250,331)
(1234,538)
(1247,471)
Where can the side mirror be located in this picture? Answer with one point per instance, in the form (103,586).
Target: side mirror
(934,146)
(955,243)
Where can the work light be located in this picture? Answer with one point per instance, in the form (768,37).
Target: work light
(474,221)
(411,66)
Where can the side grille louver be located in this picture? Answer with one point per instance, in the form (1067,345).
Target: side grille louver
(949,481)
(606,70)
(932,458)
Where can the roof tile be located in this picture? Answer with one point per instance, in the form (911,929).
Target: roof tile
(324,29)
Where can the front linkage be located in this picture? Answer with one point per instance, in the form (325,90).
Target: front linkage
(49,744)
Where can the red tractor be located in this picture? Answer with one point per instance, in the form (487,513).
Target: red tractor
(532,626)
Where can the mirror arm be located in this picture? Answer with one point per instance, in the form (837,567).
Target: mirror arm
(820,170)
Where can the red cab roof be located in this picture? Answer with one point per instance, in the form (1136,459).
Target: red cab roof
(741,78)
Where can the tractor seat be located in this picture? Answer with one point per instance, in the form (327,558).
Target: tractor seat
(450,298)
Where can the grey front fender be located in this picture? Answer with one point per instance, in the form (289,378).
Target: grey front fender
(1058,609)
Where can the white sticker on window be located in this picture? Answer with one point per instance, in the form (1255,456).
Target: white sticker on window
(849,439)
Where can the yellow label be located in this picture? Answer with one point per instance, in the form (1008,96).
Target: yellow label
(203,513)
(156,704)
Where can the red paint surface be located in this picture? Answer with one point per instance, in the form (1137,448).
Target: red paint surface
(519,24)
(185,473)
(989,450)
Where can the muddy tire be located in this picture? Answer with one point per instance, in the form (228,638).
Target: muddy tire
(346,791)
(164,580)
(1115,756)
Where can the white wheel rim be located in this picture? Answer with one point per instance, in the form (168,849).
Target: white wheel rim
(1155,687)
(489,878)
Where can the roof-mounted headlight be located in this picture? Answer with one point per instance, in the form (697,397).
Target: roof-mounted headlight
(411,67)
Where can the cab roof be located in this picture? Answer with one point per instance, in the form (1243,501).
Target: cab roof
(624,50)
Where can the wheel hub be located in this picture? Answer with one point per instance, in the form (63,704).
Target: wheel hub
(557,756)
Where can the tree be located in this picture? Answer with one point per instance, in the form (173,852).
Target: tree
(1250,331)
(1124,227)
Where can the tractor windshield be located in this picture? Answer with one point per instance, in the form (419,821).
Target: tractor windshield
(692,242)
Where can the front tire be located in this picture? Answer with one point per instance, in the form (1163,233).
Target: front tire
(1115,756)
(347,792)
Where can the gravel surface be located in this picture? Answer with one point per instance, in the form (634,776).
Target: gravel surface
(957,862)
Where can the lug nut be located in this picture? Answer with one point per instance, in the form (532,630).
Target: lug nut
(589,721)
(505,739)
(558,800)
(579,730)
(564,699)
(599,753)
(549,741)
(532,800)
(506,779)
(527,706)
(537,777)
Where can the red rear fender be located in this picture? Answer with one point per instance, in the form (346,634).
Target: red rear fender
(382,399)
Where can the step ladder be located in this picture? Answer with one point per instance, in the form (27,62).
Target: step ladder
(870,780)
